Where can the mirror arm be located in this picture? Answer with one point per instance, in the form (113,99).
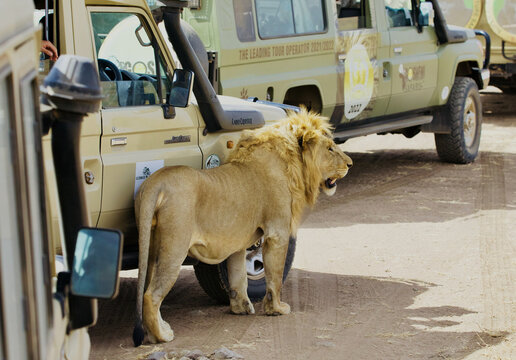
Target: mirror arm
(62,289)
(47,119)
(169,112)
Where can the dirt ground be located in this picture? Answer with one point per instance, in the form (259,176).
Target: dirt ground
(411,259)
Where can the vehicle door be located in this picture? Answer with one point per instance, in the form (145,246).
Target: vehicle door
(66,30)
(362,89)
(413,58)
(25,283)
(139,135)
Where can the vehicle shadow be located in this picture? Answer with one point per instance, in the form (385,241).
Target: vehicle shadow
(333,317)
(403,186)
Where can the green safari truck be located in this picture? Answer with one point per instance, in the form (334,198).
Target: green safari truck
(371,66)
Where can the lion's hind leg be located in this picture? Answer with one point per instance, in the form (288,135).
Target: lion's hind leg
(275,249)
(170,256)
(239,302)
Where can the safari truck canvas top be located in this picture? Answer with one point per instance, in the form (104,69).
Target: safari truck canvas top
(45,308)
(371,66)
(498,19)
(152,114)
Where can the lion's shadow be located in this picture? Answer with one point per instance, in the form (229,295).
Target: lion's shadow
(332,316)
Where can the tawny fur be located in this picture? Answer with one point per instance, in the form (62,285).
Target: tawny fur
(213,215)
(284,138)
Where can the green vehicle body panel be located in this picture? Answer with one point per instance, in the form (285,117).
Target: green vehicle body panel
(414,79)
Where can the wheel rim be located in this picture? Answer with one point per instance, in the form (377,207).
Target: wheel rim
(254,262)
(470,121)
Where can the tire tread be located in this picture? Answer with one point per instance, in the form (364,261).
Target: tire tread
(450,147)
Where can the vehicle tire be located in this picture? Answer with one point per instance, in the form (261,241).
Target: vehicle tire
(464,113)
(197,44)
(214,278)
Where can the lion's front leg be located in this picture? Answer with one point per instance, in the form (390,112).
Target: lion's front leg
(274,254)
(239,302)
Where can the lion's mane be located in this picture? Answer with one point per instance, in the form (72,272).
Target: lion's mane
(294,140)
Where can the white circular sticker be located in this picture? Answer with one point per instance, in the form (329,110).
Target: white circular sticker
(358,81)
(213,161)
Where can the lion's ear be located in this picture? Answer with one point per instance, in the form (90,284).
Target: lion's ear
(308,138)
(304,141)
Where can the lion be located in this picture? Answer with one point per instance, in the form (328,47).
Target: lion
(216,214)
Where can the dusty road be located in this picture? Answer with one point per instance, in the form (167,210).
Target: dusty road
(411,259)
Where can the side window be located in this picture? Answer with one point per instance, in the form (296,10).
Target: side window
(278,18)
(131,68)
(399,12)
(243,10)
(353,14)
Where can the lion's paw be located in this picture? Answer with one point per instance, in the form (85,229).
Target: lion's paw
(242,307)
(166,335)
(282,309)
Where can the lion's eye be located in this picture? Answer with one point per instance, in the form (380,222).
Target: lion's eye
(330,149)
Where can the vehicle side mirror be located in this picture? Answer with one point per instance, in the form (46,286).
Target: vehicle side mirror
(426,15)
(96,263)
(182,84)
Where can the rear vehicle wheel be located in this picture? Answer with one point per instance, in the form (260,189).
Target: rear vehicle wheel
(464,113)
(214,278)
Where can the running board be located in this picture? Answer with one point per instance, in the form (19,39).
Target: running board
(361,129)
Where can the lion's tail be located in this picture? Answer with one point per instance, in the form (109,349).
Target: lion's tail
(145,207)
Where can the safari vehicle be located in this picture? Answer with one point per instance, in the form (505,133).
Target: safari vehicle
(147,119)
(371,66)
(44,314)
(498,19)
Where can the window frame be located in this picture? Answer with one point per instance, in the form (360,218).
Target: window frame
(324,31)
(363,16)
(412,12)
(252,37)
(161,51)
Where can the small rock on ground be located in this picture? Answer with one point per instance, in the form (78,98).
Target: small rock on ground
(158,355)
(225,353)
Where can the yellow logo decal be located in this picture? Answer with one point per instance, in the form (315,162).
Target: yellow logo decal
(358,81)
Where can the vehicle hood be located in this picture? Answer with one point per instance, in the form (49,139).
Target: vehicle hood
(270,113)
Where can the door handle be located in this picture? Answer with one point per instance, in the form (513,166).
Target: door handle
(119,141)
(398,50)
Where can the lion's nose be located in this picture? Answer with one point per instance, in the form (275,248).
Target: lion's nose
(350,164)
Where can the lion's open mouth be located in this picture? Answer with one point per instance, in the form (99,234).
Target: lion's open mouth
(330,183)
